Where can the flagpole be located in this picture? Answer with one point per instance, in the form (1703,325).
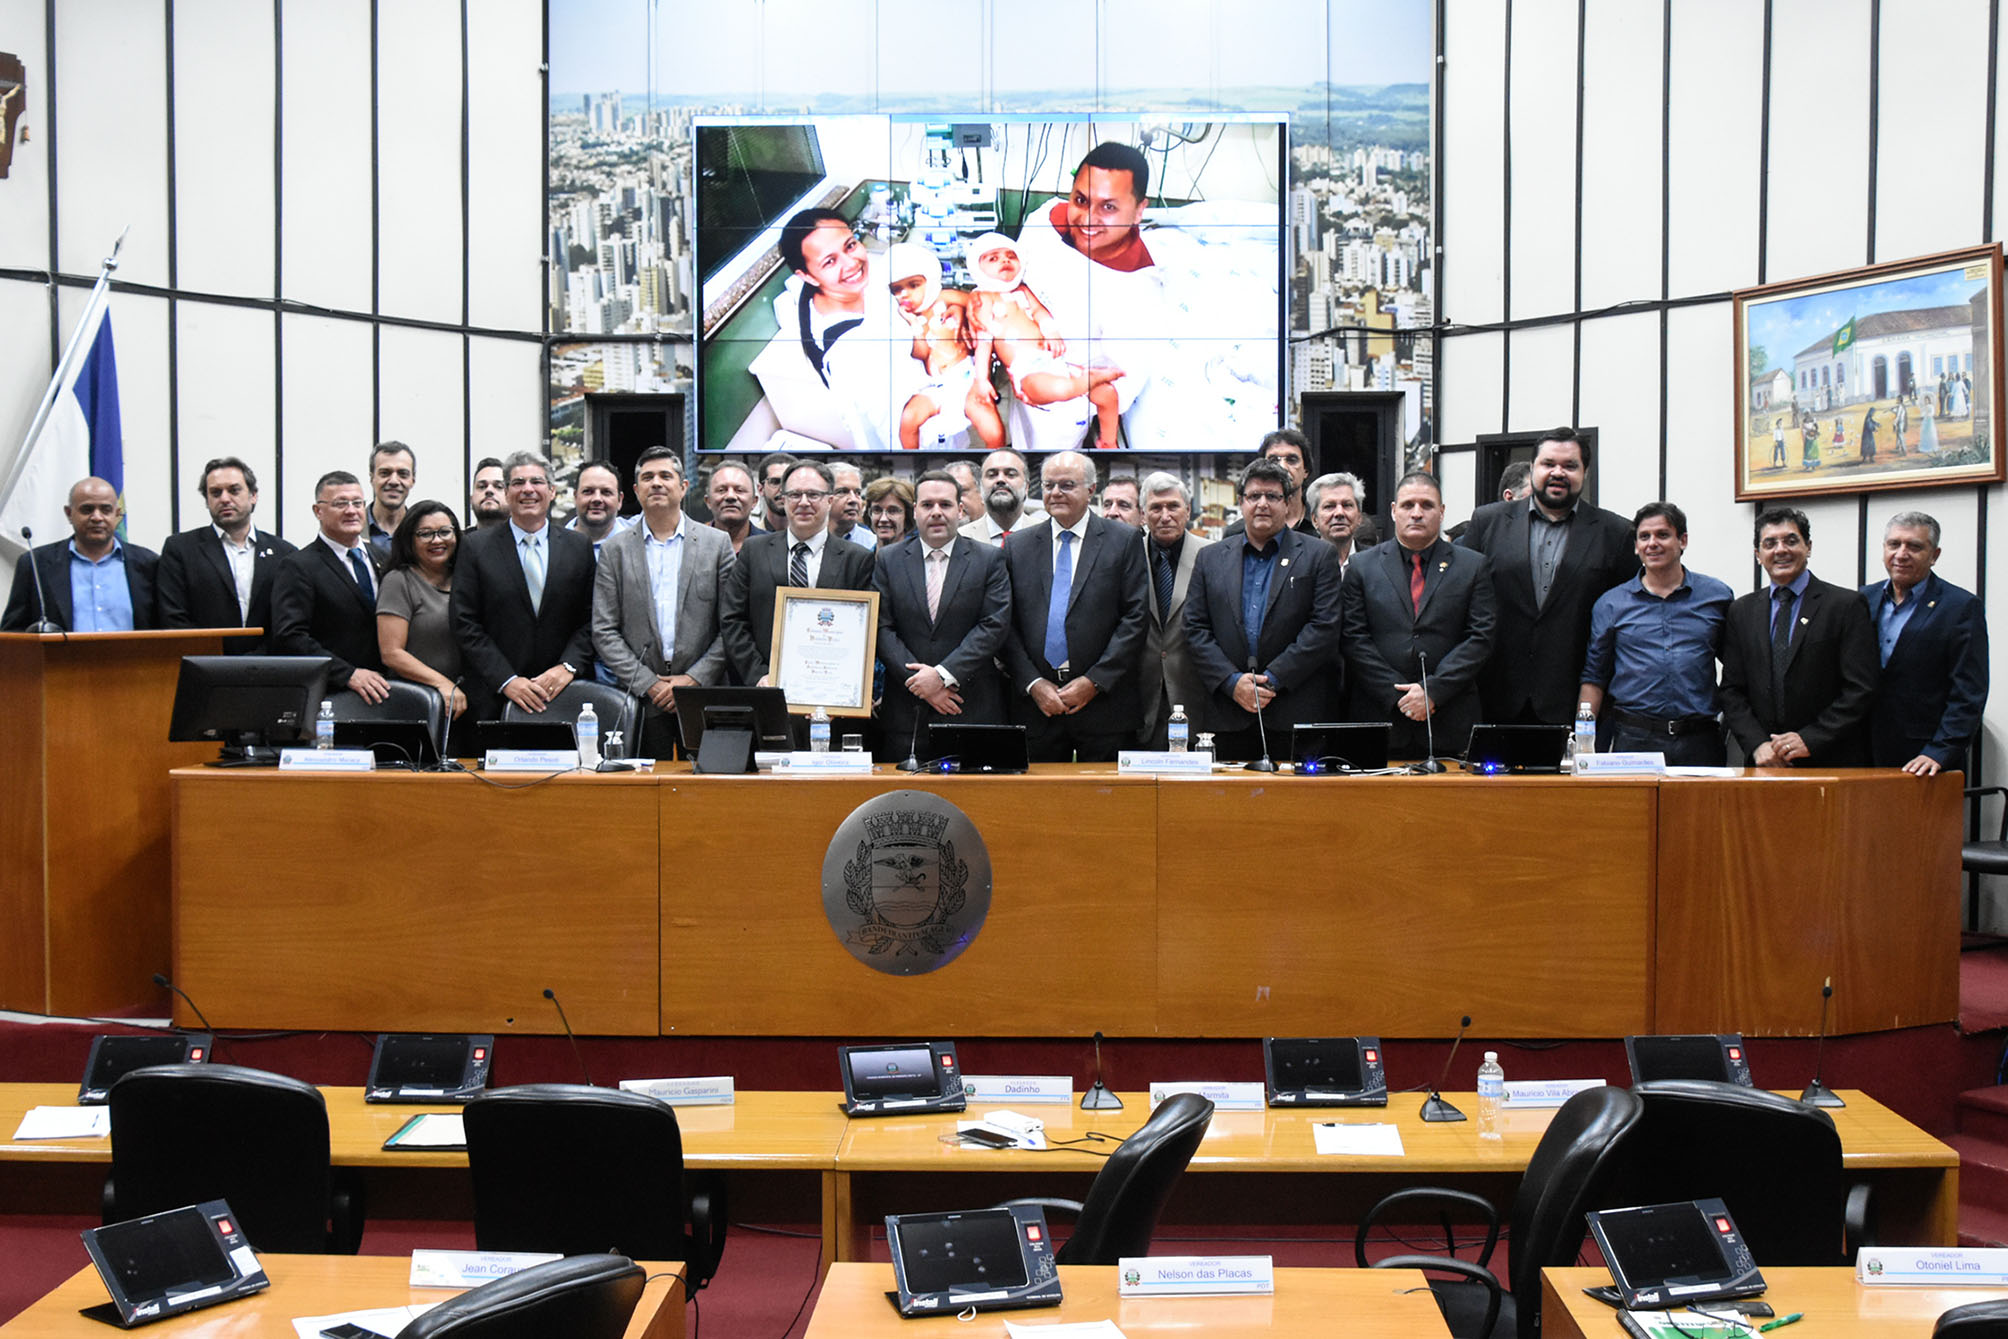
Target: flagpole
(99,295)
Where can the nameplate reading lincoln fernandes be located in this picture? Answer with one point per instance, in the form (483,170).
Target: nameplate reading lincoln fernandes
(906,882)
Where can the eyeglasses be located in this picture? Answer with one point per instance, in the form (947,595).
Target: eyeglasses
(529,483)
(342,504)
(1273,499)
(804,495)
(430,536)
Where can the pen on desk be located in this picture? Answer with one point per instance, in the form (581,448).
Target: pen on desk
(1781,1322)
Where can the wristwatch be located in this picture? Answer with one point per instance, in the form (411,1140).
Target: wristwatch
(570,668)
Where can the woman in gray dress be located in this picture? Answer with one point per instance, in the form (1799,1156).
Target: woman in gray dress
(413,631)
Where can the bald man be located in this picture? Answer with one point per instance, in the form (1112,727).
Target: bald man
(91,582)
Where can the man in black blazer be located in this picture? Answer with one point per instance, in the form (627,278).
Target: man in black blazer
(770,560)
(1089,704)
(939,653)
(1552,556)
(1932,638)
(93,553)
(522,603)
(1799,664)
(220,575)
(324,596)
(1389,630)
(1287,664)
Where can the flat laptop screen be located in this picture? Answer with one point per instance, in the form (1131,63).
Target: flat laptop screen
(1664,1243)
(1309,1065)
(1679,1058)
(961,1251)
(169,1252)
(903,1071)
(421,1062)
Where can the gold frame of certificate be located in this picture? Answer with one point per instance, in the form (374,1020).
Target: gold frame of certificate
(817,644)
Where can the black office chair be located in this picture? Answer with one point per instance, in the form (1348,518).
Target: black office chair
(577,1170)
(1775,1161)
(1127,1196)
(407,702)
(1563,1179)
(182,1134)
(1974,1320)
(1977,856)
(617,709)
(582,1297)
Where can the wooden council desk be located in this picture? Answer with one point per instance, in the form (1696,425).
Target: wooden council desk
(1834,1305)
(1367,1303)
(310,1285)
(1235,905)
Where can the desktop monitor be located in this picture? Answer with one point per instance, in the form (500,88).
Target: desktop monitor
(761,713)
(113,1057)
(251,704)
(1719,1057)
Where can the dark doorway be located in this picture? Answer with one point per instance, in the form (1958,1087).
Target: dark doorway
(620,427)
(1357,433)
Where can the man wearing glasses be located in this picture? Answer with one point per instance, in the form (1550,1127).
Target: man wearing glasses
(324,595)
(522,603)
(805,554)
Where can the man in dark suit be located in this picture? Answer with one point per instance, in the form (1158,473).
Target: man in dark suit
(1087,704)
(324,596)
(220,575)
(1170,553)
(1262,622)
(805,554)
(1419,597)
(92,581)
(522,603)
(1552,556)
(1932,639)
(944,608)
(1799,664)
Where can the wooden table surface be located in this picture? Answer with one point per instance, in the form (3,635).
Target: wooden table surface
(310,1285)
(1358,1303)
(1833,1304)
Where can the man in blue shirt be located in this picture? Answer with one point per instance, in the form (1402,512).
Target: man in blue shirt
(1650,670)
(91,582)
(1932,637)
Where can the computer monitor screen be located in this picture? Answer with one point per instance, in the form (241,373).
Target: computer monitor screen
(946,1251)
(1698,1057)
(773,732)
(1316,1064)
(250,704)
(414,1061)
(172,1250)
(893,1071)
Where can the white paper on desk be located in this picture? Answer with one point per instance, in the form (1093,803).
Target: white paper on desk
(1704,771)
(435,1129)
(1071,1329)
(383,1320)
(65,1123)
(1358,1141)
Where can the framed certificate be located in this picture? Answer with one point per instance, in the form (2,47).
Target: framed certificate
(825,644)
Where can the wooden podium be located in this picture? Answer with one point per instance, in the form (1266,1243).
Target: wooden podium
(84,856)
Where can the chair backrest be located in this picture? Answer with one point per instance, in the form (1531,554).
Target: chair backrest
(583,1297)
(1583,1144)
(617,710)
(182,1134)
(407,702)
(1775,1161)
(577,1170)
(1974,1320)
(1121,1211)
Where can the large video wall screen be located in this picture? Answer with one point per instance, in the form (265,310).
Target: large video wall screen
(879,283)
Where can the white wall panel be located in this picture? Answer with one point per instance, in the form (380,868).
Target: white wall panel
(1458,473)
(1622,111)
(1923,204)
(1470,374)
(223,117)
(508,380)
(139,335)
(1542,367)
(950,25)
(1958,516)
(1472,173)
(1543,108)
(1700,469)
(1819,137)
(24,196)
(325,200)
(228,380)
(421,402)
(1127,68)
(418,159)
(505,143)
(1620,398)
(111,107)
(325,372)
(1714,145)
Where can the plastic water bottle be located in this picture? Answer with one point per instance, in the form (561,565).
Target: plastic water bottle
(1584,742)
(819,731)
(588,729)
(324,726)
(1178,728)
(1491,1092)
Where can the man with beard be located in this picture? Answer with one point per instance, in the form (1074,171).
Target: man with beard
(1004,506)
(220,575)
(596,505)
(488,502)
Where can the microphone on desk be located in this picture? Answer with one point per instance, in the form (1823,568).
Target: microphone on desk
(912,763)
(552,996)
(165,984)
(1434,1108)
(1263,763)
(42,623)
(1429,766)
(1817,1093)
(1098,1097)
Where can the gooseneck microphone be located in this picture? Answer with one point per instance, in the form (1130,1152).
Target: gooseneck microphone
(1434,1108)
(1098,1097)
(42,623)
(1263,763)
(552,996)
(912,763)
(1817,1093)
(1429,766)
(165,984)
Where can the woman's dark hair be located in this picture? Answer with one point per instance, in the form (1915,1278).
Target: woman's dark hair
(796,231)
(403,541)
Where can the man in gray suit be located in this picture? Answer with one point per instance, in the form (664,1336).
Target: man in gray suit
(1170,549)
(656,597)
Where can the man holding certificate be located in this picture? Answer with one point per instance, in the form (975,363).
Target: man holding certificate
(806,554)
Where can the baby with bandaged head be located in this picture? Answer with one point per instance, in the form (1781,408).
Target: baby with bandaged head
(1017,327)
(943,343)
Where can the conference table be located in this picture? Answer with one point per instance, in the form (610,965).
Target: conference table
(1253,1167)
(1217,905)
(311,1285)
(1370,1304)
(1833,1304)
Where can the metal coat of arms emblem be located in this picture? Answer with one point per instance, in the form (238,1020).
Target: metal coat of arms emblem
(906,882)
